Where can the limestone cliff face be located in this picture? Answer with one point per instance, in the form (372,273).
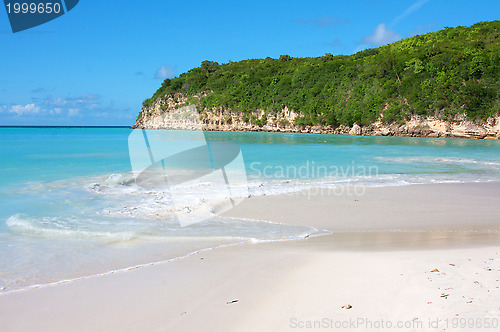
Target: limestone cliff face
(168,113)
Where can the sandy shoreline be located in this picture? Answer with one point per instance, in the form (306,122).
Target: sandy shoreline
(379,260)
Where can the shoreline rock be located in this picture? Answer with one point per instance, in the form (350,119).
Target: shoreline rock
(167,114)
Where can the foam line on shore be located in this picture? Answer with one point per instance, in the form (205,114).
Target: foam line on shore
(316,232)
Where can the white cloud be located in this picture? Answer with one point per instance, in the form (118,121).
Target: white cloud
(69,106)
(73,111)
(381,36)
(413,8)
(58,102)
(26,109)
(88,101)
(164,72)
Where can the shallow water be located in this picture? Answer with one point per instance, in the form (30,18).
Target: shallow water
(70,207)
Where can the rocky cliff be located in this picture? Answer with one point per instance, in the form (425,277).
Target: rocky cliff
(168,113)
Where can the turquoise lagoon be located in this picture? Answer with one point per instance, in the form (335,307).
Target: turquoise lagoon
(70,208)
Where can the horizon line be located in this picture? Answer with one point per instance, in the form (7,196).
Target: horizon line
(53,126)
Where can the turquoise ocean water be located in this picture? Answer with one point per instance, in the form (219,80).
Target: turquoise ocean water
(69,205)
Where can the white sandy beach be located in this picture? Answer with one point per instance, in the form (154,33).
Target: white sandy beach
(379,260)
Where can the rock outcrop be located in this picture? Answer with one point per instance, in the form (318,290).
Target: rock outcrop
(168,113)
(355,130)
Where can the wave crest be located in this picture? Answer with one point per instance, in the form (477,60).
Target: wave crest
(62,227)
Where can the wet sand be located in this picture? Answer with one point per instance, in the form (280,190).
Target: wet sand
(414,256)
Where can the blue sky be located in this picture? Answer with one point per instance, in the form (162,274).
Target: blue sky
(97,63)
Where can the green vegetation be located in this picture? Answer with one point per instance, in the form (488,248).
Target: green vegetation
(443,73)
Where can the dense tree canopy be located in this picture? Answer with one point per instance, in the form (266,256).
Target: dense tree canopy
(442,73)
